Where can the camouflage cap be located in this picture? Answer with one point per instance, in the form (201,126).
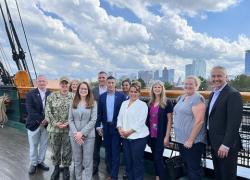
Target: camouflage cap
(64,78)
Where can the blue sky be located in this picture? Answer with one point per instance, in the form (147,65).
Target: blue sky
(78,38)
(227,24)
(119,12)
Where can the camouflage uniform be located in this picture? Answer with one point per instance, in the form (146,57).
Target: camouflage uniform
(57,110)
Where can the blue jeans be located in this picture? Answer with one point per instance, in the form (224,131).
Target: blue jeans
(192,160)
(134,154)
(38,141)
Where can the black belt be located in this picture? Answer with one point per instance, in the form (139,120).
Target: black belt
(110,123)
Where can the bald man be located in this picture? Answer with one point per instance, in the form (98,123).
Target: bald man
(36,125)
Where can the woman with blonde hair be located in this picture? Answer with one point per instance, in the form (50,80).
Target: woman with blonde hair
(82,119)
(159,122)
(189,127)
(73,85)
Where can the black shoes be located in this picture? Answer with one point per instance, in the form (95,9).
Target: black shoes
(32,169)
(95,170)
(55,174)
(125,176)
(43,166)
(66,174)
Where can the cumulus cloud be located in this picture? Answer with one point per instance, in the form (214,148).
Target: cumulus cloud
(78,38)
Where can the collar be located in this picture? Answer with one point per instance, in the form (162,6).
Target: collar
(219,90)
(103,87)
(42,91)
(110,93)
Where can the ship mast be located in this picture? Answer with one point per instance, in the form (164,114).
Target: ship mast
(18,54)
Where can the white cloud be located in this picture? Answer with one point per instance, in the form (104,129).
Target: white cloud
(78,38)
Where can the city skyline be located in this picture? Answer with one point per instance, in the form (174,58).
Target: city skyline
(79,38)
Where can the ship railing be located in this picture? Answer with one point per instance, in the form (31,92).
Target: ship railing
(244,154)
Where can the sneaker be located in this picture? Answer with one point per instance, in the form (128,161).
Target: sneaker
(32,169)
(43,166)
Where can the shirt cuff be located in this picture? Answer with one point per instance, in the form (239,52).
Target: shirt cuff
(225,147)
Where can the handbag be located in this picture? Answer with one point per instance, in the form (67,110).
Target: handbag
(175,167)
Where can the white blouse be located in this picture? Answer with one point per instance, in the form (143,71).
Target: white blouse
(134,117)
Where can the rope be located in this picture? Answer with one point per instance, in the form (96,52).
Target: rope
(3,116)
(26,38)
(6,60)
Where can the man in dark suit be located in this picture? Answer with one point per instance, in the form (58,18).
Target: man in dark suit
(36,124)
(108,109)
(224,114)
(97,91)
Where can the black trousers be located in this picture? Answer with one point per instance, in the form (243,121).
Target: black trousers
(225,168)
(134,154)
(157,151)
(192,160)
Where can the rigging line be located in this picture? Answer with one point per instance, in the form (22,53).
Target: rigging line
(5,67)
(26,39)
(6,59)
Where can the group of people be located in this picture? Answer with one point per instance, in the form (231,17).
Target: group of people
(77,119)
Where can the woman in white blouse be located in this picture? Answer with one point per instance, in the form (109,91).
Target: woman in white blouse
(133,130)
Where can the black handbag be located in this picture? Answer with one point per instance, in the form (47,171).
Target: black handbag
(175,167)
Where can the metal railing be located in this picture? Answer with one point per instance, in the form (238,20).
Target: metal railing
(244,154)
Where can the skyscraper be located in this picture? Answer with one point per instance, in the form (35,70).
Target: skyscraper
(156,75)
(165,75)
(199,67)
(171,76)
(147,76)
(247,62)
(189,70)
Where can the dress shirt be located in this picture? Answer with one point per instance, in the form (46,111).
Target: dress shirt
(213,100)
(110,104)
(215,96)
(102,89)
(134,117)
(42,94)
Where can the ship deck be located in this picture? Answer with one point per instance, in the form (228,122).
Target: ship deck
(14,159)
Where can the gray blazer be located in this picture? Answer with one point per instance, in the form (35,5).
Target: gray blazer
(83,121)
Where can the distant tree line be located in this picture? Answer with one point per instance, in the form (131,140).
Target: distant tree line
(240,82)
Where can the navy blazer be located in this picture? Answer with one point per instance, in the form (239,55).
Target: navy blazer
(162,121)
(34,107)
(102,109)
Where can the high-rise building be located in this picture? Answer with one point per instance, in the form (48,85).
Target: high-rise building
(156,75)
(199,68)
(170,76)
(147,76)
(247,62)
(189,70)
(165,75)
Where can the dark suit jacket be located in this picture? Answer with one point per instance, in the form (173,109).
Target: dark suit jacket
(34,107)
(224,119)
(162,121)
(102,109)
(96,93)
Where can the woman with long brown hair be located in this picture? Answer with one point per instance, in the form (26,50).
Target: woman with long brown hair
(82,119)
